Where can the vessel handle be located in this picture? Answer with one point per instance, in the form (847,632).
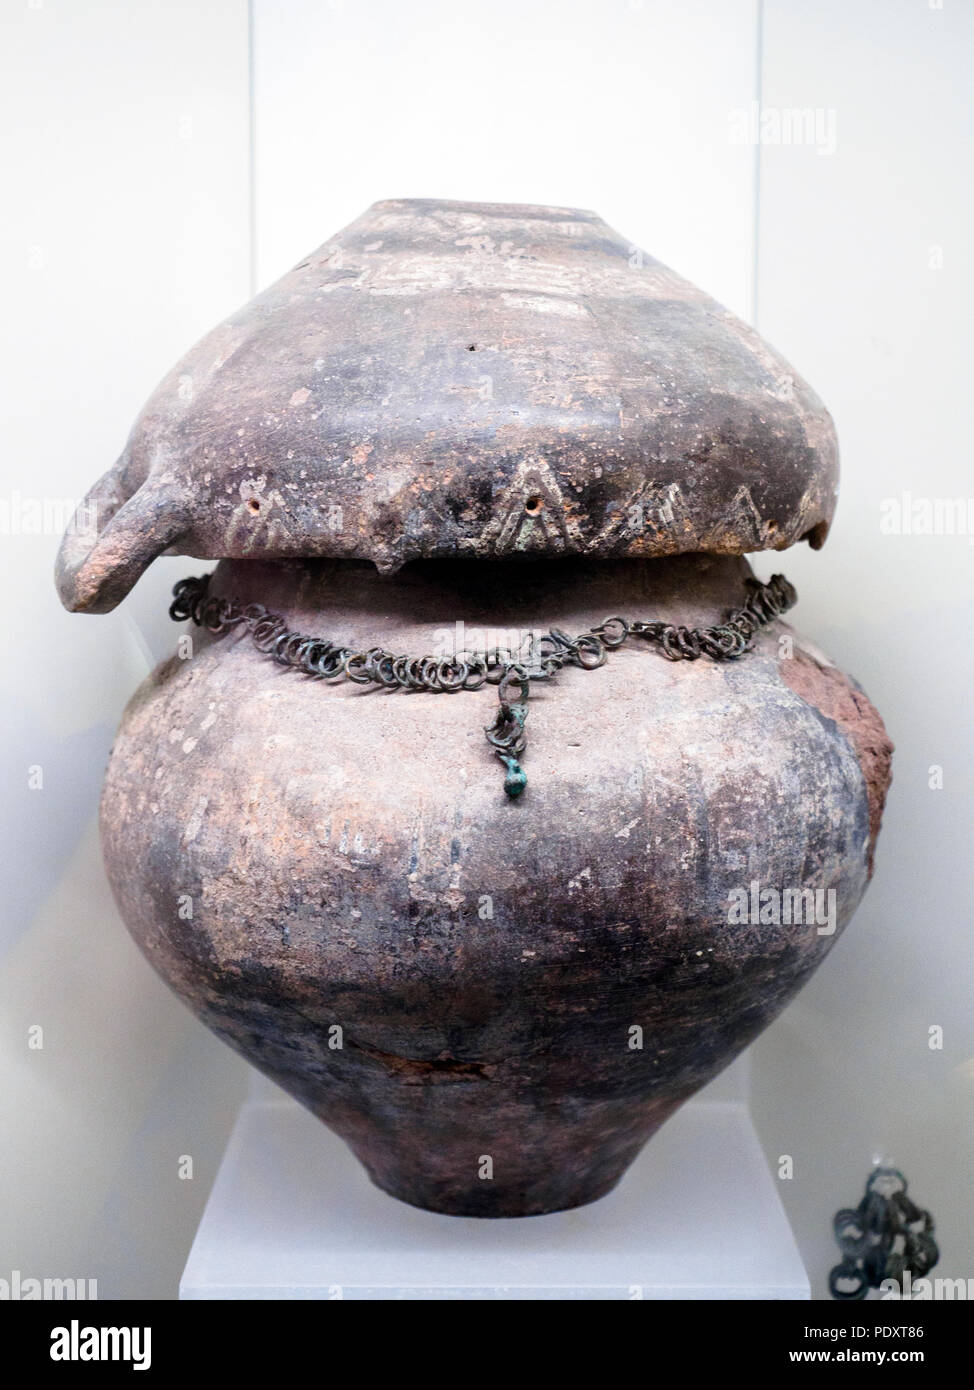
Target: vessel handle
(112,538)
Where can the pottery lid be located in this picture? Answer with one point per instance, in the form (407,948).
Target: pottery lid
(464,379)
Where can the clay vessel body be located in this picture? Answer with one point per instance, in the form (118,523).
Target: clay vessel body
(494,1002)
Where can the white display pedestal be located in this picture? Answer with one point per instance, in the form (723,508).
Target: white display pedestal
(293,1215)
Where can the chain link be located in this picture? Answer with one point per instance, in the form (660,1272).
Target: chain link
(512,672)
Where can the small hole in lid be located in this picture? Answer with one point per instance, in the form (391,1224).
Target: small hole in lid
(472,347)
(533,504)
(254,505)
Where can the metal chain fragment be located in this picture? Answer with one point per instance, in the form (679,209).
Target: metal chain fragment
(512,672)
(887,1237)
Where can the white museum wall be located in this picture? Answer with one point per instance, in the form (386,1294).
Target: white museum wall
(621,107)
(125,161)
(866,282)
(159,160)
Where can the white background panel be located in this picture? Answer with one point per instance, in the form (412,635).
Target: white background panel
(866,281)
(124,134)
(621,107)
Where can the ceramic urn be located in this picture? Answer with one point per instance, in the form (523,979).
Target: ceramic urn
(454,427)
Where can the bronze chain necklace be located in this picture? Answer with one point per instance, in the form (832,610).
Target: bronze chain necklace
(512,672)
